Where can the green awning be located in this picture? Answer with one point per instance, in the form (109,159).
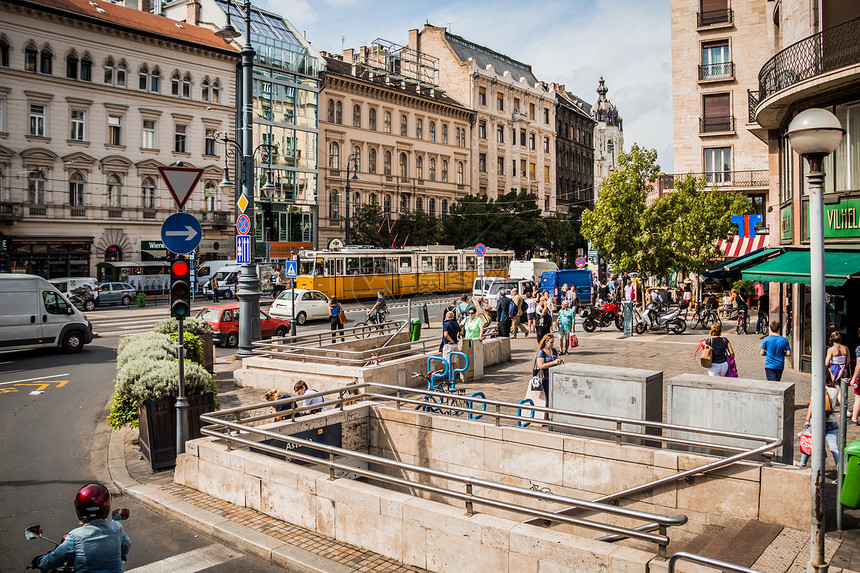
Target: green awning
(750,259)
(793,267)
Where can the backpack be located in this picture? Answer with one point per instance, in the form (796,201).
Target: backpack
(512,308)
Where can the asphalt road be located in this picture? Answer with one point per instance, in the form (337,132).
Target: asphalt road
(51,443)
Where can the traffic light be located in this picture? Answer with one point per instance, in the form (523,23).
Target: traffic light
(180,289)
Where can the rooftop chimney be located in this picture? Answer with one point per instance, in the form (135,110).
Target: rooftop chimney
(413,40)
(348,56)
(192,13)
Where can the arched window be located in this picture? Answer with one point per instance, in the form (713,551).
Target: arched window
(4,53)
(431,206)
(386,122)
(371,118)
(419,204)
(373,200)
(121,74)
(338,112)
(334,155)
(72,66)
(459,173)
(404,125)
(175,84)
(36,187)
(419,128)
(404,166)
(445,133)
(386,163)
(371,161)
(432,169)
(432,131)
(155,81)
(143,78)
(419,167)
(147,193)
(210,197)
(31,57)
(444,210)
(186,86)
(404,203)
(216,92)
(109,72)
(331,111)
(356,158)
(204,90)
(356,115)
(387,204)
(114,191)
(46,59)
(444,171)
(76,190)
(333,205)
(113,254)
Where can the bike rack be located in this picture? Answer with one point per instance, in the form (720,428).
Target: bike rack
(528,401)
(472,415)
(454,371)
(432,376)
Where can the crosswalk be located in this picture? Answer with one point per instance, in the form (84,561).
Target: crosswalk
(191,561)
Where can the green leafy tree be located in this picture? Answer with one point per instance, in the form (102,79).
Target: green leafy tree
(368,227)
(372,227)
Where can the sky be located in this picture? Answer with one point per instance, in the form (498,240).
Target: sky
(570,42)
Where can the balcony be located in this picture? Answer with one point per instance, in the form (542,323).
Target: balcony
(215,218)
(721,71)
(11,211)
(744,178)
(813,66)
(713,18)
(713,125)
(518,116)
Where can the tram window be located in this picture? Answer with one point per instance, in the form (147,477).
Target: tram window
(339,266)
(440,264)
(405,264)
(426,264)
(471,265)
(352,266)
(380,266)
(367,265)
(452,263)
(306,267)
(329,268)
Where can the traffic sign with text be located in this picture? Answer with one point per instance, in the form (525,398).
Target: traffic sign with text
(180,182)
(181,233)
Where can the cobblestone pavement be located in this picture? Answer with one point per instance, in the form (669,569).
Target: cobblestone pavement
(788,553)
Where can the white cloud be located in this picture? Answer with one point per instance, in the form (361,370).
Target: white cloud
(573,42)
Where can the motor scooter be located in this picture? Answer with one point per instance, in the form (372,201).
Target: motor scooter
(653,320)
(35,532)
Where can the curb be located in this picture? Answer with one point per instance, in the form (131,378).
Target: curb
(234,535)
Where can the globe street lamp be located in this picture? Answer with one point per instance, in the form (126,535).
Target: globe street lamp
(815,134)
(351,161)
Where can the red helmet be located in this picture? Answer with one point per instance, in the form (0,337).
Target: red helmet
(92,502)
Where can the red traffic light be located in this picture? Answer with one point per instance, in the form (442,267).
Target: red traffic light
(179,268)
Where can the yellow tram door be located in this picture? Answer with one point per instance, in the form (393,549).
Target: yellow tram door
(394,285)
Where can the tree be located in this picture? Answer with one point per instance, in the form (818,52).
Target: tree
(373,227)
(368,228)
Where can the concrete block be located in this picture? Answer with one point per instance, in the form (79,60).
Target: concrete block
(185,472)
(288,504)
(446,552)
(608,391)
(522,563)
(221,482)
(414,545)
(325,517)
(526,462)
(358,494)
(372,531)
(785,497)
(253,488)
(437,516)
(720,496)
(742,405)
(246,539)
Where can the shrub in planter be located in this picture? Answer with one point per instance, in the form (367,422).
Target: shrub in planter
(192,326)
(193,347)
(147,345)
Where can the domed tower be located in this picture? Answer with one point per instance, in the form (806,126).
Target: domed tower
(608,136)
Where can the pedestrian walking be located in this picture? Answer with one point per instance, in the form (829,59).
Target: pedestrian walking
(463,308)
(566,325)
(774,348)
(450,334)
(543,319)
(722,349)
(831,427)
(837,358)
(503,313)
(531,303)
(213,283)
(336,318)
(855,385)
(517,321)
(546,358)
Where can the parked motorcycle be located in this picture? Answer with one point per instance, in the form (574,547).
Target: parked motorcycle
(82,297)
(654,319)
(35,532)
(594,316)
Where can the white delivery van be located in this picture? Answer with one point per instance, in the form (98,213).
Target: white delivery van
(208,269)
(68,284)
(531,270)
(33,314)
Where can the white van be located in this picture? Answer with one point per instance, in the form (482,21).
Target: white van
(68,284)
(33,314)
(530,270)
(208,269)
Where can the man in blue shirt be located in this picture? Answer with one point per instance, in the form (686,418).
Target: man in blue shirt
(774,348)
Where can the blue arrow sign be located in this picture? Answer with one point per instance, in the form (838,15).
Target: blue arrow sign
(181,233)
(290,269)
(243,249)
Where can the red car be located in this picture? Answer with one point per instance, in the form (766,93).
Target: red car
(224,320)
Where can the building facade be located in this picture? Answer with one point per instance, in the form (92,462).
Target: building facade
(512,142)
(387,125)
(788,83)
(718,47)
(608,137)
(574,151)
(286,113)
(94,97)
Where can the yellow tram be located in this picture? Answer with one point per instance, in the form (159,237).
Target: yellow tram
(360,272)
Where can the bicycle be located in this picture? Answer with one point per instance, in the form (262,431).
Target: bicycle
(743,321)
(435,404)
(763,324)
(365,328)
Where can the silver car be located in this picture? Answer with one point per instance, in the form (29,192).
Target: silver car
(115,293)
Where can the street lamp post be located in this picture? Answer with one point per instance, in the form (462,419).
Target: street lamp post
(351,161)
(815,134)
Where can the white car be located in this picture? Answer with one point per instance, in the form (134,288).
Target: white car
(310,305)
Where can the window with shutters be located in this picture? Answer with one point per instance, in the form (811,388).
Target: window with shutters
(716,114)
(716,63)
(713,13)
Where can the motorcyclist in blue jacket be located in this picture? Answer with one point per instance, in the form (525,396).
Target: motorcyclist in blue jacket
(97,546)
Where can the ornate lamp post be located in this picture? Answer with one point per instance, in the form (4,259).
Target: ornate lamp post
(351,161)
(815,134)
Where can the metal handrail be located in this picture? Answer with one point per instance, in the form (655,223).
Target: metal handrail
(707,561)
(350,395)
(353,357)
(326,336)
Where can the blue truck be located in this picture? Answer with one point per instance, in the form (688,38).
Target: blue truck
(580,279)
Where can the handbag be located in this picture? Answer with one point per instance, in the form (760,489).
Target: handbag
(733,367)
(707,355)
(536,383)
(341,316)
(805,439)
(574,341)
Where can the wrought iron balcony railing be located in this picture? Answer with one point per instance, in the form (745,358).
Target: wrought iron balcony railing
(742,178)
(714,18)
(716,124)
(826,51)
(718,71)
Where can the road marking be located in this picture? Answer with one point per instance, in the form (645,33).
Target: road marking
(38,378)
(191,561)
(7,362)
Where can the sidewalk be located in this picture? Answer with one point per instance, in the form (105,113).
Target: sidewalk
(299,549)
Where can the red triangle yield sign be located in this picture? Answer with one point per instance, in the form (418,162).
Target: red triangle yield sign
(181,182)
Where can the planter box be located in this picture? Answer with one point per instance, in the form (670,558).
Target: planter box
(206,340)
(158,427)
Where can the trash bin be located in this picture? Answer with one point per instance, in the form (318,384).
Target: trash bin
(141,300)
(474,351)
(415,330)
(851,483)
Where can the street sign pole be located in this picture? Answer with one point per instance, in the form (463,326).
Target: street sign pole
(293,294)
(181,400)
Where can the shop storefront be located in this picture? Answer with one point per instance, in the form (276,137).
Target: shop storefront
(50,257)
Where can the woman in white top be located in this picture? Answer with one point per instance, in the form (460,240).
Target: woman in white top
(831,427)
(530,311)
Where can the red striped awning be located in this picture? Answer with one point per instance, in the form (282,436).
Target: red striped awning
(735,247)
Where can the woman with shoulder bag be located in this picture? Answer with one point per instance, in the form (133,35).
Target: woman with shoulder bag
(543,319)
(337,317)
(546,358)
(721,349)
(831,423)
